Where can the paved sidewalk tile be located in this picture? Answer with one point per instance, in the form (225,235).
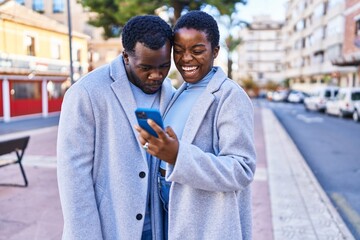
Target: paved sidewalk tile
(31,213)
(261,208)
(300,208)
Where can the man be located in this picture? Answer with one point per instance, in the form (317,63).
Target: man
(106,180)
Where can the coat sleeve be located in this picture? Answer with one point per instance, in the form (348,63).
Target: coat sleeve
(229,168)
(75,156)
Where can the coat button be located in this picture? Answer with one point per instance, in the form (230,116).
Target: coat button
(142,174)
(139,216)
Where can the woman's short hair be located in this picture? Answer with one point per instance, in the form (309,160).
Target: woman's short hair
(200,21)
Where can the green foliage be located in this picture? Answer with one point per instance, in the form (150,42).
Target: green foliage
(271,86)
(111,15)
(250,86)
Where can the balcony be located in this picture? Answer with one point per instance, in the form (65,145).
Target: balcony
(20,64)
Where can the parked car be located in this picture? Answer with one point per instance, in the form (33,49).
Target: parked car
(356,113)
(343,104)
(280,95)
(296,96)
(319,97)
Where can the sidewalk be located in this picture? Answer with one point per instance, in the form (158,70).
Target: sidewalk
(288,202)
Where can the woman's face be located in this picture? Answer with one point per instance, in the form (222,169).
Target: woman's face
(193,55)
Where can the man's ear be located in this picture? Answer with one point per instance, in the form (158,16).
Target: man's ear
(125,57)
(216,51)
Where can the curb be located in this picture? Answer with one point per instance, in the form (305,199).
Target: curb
(300,207)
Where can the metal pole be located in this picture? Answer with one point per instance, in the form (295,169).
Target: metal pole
(70,42)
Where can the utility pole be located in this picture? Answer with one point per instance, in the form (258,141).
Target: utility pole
(70,42)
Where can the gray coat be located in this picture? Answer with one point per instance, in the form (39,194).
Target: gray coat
(100,161)
(210,194)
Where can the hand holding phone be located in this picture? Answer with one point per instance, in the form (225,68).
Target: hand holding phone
(143,114)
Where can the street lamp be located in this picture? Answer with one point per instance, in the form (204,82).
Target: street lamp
(70,42)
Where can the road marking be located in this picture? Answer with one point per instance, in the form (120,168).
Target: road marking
(309,119)
(352,215)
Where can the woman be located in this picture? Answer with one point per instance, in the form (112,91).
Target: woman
(209,148)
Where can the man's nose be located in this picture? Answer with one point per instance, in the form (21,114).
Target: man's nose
(156,75)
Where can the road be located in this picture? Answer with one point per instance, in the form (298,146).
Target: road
(331,148)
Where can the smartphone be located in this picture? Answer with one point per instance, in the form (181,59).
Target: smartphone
(143,114)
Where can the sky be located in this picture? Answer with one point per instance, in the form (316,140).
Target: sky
(274,8)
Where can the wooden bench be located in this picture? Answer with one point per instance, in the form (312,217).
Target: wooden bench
(18,146)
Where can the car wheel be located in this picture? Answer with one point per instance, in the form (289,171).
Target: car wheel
(341,114)
(356,116)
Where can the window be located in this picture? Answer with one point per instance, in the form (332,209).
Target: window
(55,49)
(333,51)
(319,11)
(38,6)
(26,90)
(58,6)
(335,26)
(357,27)
(318,57)
(30,45)
(355,96)
(333,3)
(22,2)
(56,90)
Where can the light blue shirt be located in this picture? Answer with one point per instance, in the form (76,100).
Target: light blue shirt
(144,100)
(179,111)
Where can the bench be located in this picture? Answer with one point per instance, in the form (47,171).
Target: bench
(18,146)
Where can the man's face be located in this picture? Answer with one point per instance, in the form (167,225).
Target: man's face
(147,68)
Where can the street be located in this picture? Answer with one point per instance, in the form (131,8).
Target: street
(330,146)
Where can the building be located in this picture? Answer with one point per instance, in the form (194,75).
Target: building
(261,53)
(100,51)
(34,61)
(351,47)
(314,33)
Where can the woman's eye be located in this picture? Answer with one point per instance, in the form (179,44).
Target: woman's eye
(198,52)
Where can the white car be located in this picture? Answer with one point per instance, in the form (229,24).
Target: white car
(319,97)
(343,104)
(296,96)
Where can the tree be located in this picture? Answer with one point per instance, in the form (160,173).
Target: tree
(250,86)
(232,23)
(111,15)
(231,45)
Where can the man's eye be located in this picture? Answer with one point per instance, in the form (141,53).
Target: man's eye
(165,66)
(145,68)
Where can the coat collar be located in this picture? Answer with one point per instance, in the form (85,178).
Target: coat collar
(202,105)
(122,89)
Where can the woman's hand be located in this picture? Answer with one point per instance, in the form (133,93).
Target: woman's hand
(165,147)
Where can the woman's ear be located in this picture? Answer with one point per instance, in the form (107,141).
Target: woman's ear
(216,51)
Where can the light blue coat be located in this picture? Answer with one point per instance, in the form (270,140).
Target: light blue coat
(210,194)
(100,158)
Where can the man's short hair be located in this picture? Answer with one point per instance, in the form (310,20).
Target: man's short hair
(150,30)
(200,21)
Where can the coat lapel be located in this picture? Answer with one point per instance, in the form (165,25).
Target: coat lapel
(202,105)
(123,92)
